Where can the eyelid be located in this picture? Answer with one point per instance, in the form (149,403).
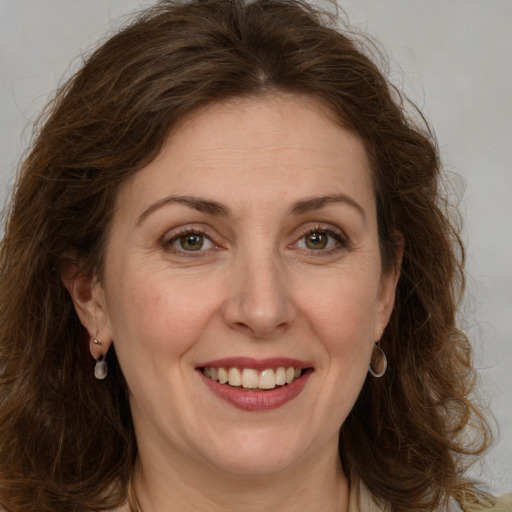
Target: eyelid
(171,236)
(181,240)
(174,233)
(334,232)
(337,234)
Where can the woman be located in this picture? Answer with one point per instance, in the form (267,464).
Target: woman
(229,281)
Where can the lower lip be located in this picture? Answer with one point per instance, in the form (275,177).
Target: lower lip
(249,400)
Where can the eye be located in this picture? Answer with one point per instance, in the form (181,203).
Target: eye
(320,239)
(190,242)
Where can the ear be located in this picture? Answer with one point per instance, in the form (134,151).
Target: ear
(387,288)
(88,298)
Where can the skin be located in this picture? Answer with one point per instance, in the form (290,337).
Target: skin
(257,289)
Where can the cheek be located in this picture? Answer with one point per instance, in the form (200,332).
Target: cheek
(160,311)
(343,314)
(346,302)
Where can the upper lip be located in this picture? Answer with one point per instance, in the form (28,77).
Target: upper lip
(256,364)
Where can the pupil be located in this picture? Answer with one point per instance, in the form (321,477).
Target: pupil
(192,242)
(316,241)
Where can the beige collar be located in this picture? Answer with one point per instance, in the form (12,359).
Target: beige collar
(361,499)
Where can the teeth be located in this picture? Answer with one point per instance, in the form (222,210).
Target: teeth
(223,376)
(267,379)
(249,378)
(281,376)
(234,377)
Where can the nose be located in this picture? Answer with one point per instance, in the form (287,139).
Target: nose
(259,303)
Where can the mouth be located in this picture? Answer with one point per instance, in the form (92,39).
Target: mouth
(253,379)
(256,385)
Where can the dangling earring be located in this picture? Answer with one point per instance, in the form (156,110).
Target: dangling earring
(378,362)
(101,368)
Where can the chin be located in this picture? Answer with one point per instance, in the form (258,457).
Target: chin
(263,454)
(261,465)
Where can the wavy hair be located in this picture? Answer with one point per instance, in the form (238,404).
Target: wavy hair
(66,440)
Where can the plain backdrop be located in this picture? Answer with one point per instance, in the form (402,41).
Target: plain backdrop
(454,60)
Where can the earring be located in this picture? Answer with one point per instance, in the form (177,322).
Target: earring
(96,342)
(378,362)
(101,368)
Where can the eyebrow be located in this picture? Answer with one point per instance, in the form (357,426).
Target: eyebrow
(196,203)
(216,208)
(316,203)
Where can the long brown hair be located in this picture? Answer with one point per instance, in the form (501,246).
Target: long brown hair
(66,440)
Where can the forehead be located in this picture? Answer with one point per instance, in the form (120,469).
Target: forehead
(263,120)
(255,149)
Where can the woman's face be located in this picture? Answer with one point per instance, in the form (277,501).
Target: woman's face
(248,247)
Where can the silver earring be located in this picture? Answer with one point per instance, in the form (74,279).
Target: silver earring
(101,368)
(96,342)
(378,362)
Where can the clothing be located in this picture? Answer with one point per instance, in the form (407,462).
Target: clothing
(361,500)
(503,504)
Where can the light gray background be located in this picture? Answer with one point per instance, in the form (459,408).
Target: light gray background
(452,57)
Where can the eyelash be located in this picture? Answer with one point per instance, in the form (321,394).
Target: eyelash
(341,240)
(167,243)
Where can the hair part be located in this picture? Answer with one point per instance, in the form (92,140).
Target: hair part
(67,440)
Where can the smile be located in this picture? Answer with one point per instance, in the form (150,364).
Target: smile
(250,378)
(256,384)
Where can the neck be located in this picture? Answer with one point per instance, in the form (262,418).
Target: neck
(314,484)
